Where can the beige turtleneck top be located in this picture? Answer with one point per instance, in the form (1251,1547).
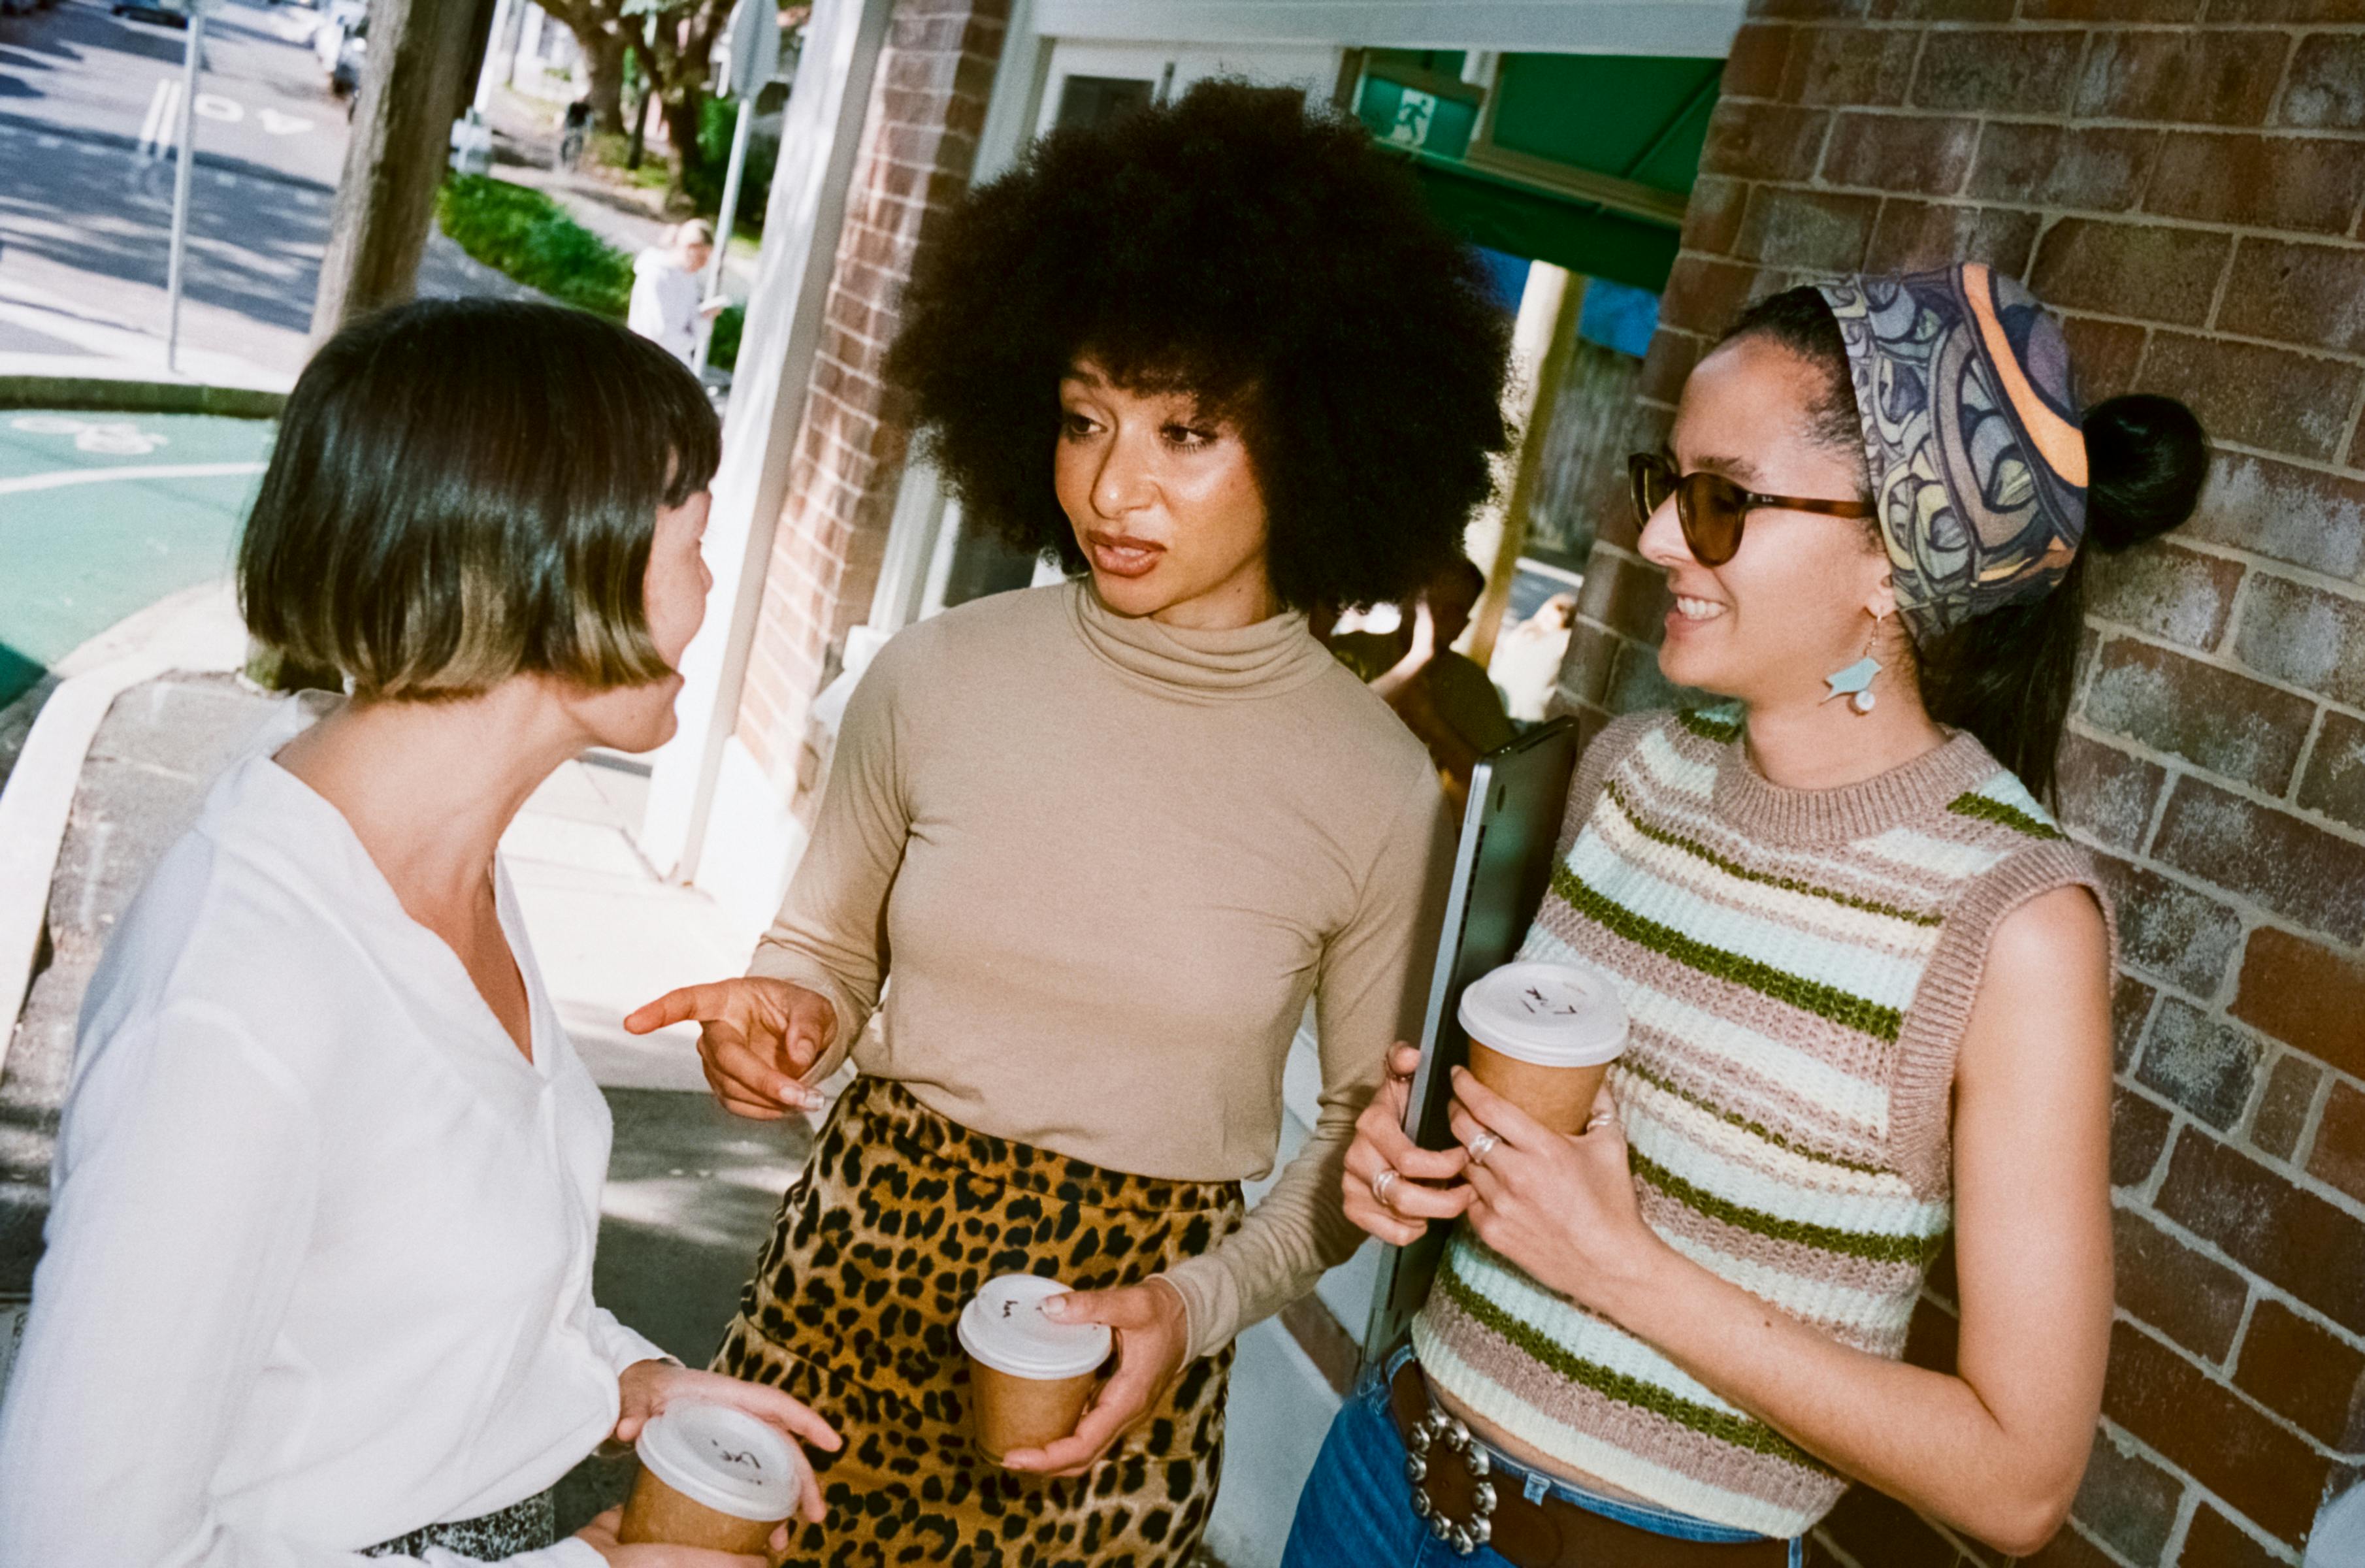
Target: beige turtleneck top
(1111,860)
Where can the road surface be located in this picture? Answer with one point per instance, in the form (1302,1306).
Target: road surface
(88,114)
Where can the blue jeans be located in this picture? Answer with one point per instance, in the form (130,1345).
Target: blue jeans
(1356,1511)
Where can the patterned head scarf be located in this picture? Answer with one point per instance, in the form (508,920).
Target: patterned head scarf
(1971,425)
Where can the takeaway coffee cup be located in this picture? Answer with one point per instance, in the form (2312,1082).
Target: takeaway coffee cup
(711,1477)
(1542,1036)
(1029,1375)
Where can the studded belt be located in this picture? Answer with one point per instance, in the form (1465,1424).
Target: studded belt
(1454,1490)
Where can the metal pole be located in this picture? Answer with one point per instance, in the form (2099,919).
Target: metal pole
(181,189)
(729,216)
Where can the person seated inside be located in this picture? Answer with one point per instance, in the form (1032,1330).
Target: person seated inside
(1443,697)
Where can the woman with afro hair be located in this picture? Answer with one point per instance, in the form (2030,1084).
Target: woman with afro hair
(1107,837)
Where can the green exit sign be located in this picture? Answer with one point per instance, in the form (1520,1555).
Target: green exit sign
(1410,117)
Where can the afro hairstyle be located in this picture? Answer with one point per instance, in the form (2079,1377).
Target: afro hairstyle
(1274,265)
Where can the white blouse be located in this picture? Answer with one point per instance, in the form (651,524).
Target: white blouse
(319,1266)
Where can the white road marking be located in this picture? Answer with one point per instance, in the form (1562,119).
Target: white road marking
(160,130)
(279,124)
(213,105)
(47,144)
(140,471)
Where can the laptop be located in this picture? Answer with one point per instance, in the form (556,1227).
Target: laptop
(1518,795)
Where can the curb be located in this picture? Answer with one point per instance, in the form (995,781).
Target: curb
(34,810)
(107,394)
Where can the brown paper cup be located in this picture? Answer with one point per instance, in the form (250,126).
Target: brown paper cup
(1008,1412)
(655,1512)
(1560,1097)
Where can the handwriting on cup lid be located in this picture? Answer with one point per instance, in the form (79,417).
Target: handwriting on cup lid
(1533,998)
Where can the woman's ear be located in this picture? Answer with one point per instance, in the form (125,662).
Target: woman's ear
(1881,602)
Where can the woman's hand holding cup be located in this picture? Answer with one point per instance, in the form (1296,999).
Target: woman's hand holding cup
(757,1039)
(1151,1333)
(1382,1146)
(601,1536)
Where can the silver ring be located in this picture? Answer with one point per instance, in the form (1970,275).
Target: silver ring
(1381,1182)
(1600,1120)
(1485,1144)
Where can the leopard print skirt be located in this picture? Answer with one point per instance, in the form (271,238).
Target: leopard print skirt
(899,1217)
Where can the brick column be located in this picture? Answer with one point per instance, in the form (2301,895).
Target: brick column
(2185,180)
(918,144)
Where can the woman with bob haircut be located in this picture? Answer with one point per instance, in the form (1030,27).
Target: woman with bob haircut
(1106,838)
(1867,982)
(318,1278)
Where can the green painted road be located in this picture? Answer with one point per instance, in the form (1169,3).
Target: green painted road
(103,514)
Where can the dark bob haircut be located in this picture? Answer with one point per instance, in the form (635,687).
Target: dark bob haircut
(1273,263)
(465,489)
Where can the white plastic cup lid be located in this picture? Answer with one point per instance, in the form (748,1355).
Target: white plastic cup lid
(723,1458)
(1546,1013)
(1003,1327)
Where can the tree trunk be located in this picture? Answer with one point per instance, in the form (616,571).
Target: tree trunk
(413,85)
(681,117)
(603,60)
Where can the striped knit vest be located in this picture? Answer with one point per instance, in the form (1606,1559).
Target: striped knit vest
(1798,968)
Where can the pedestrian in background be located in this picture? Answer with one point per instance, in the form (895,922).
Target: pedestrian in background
(669,288)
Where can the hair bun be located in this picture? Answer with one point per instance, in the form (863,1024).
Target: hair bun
(2146,458)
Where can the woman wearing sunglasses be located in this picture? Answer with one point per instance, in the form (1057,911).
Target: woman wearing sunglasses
(1867,977)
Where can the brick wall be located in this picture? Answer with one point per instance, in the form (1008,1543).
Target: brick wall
(919,141)
(2183,179)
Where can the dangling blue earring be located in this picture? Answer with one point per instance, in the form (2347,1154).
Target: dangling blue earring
(1854,683)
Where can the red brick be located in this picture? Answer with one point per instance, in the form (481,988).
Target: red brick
(1761,50)
(1807,230)
(2166,931)
(2202,1063)
(1585,669)
(2294,515)
(1703,296)
(2236,727)
(2087,168)
(2286,1236)
(2300,1371)
(2131,1002)
(2282,1115)
(2265,182)
(2127,1501)
(2139,1131)
(2019,72)
(2335,784)
(2212,1434)
(2104,354)
(2272,397)
(2300,871)
(2283,1107)
(2165,591)
(1713,217)
(2309,295)
(1628,597)
(1855,66)
(2106,794)
(1900,153)
(2327,88)
(1765,142)
(2112,10)
(2068,1549)
(2282,10)
(1942,10)
(2340,1157)
(1667,365)
(1807,10)
(2082,264)
(2193,1300)
(2212,1541)
(2304,635)
(2183,77)
(1913,235)
(1873,1527)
